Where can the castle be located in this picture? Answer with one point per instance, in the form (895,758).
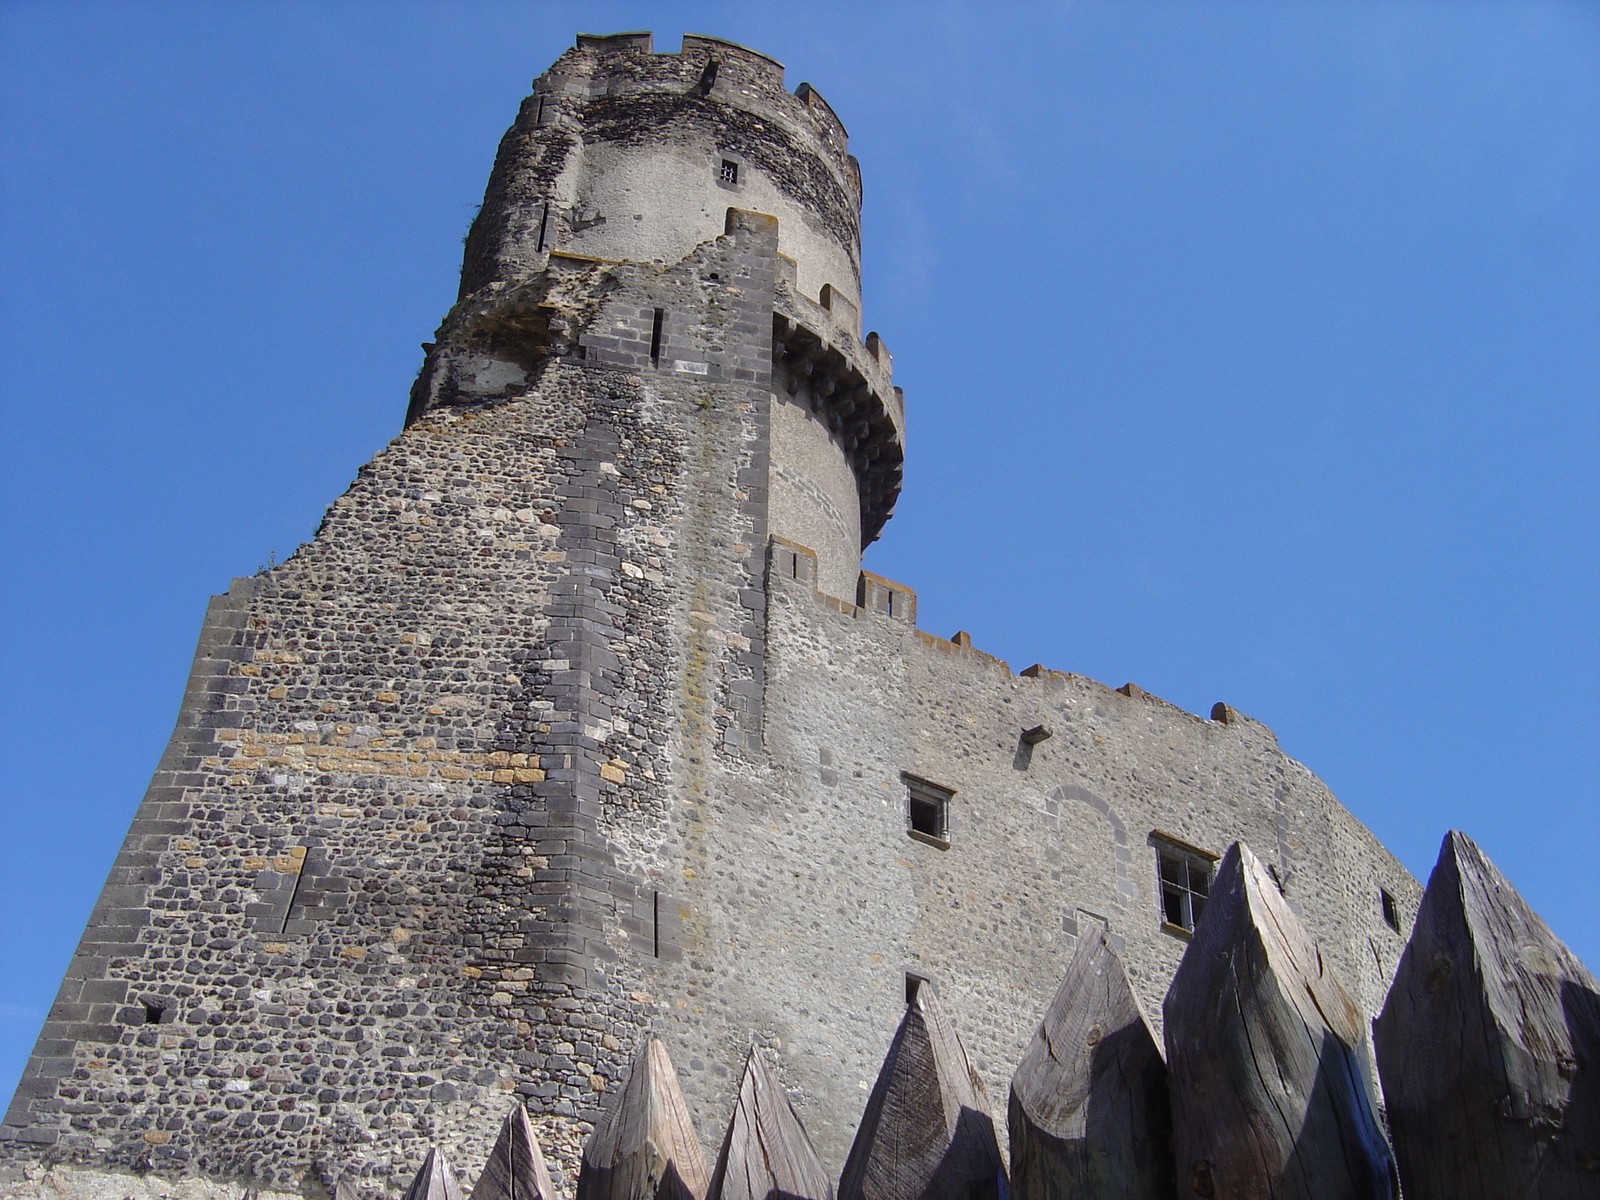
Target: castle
(578,719)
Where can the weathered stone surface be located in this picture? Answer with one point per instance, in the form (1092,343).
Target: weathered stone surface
(64,1181)
(1489,1046)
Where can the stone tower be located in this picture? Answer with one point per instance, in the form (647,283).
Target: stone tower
(578,718)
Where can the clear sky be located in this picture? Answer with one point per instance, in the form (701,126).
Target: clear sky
(1251,353)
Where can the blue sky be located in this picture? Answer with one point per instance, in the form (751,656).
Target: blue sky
(1251,353)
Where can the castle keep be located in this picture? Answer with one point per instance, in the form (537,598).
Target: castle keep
(578,718)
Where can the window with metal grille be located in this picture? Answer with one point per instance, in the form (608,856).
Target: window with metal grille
(728,172)
(1183,882)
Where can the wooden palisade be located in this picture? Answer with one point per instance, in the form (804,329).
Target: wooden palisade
(644,1146)
(1489,1046)
(926,1133)
(1270,1080)
(1089,1114)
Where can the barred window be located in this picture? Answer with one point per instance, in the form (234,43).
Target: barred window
(1183,881)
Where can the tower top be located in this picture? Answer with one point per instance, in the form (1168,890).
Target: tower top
(625,154)
(625,163)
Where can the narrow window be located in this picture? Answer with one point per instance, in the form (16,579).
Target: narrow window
(655,923)
(1183,881)
(294,894)
(1391,914)
(928,811)
(544,227)
(655,337)
(728,172)
(538,116)
(914,984)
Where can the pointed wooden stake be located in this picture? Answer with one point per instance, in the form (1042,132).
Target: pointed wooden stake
(766,1151)
(435,1180)
(515,1170)
(644,1147)
(1489,1046)
(926,1131)
(1266,1057)
(1089,1114)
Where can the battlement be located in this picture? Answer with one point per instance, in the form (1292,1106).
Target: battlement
(641,40)
(754,60)
(625,154)
(878,596)
(620,63)
(847,384)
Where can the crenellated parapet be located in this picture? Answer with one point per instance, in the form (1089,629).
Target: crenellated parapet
(847,385)
(623,64)
(620,170)
(627,154)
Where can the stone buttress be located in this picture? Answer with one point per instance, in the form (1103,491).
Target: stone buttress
(419,835)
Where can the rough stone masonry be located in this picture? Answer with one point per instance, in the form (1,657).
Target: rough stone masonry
(578,719)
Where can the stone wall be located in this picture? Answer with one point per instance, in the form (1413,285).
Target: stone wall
(545,740)
(820,900)
(403,856)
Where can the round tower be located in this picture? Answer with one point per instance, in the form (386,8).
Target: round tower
(624,154)
(633,159)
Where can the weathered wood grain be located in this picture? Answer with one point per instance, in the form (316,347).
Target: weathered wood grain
(1489,1046)
(926,1133)
(1089,1114)
(516,1168)
(1266,1057)
(434,1180)
(766,1154)
(644,1146)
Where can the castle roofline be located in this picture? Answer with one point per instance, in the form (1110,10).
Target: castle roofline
(759,69)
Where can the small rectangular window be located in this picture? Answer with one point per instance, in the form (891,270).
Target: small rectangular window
(928,811)
(914,984)
(728,172)
(1183,879)
(1391,914)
